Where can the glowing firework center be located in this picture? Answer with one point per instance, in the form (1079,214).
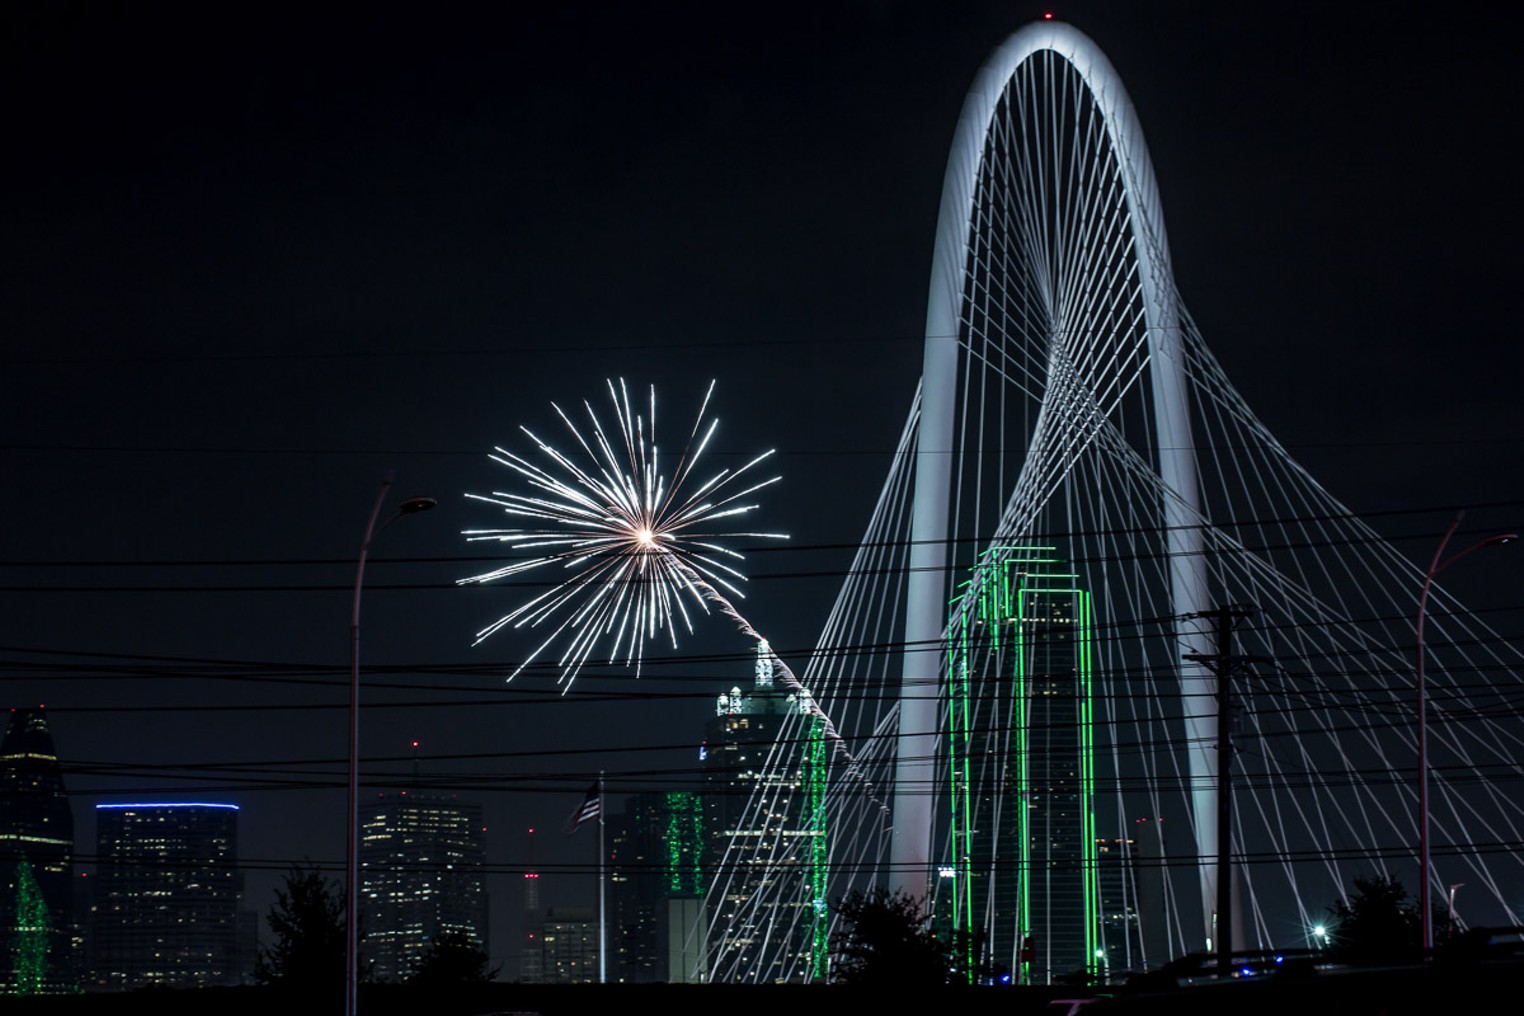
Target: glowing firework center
(639,547)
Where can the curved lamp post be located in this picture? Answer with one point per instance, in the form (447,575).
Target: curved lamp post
(411,506)
(1439,564)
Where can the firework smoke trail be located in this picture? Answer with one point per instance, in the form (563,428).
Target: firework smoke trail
(780,669)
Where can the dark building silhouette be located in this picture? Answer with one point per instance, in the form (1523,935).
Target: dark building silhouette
(1121,941)
(633,894)
(422,874)
(1148,861)
(38,951)
(167,895)
(531,955)
(656,853)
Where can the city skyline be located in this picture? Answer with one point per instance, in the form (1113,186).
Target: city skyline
(215,362)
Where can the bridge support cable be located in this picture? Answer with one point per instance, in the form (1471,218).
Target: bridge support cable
(1069,401)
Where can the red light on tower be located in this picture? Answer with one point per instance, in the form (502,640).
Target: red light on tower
(1047,15)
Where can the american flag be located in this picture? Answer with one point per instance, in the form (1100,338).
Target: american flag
(590,808)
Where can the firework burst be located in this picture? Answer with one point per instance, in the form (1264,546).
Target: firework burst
(642,551)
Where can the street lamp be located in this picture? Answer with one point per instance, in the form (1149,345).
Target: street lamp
(1439,564)
(1450,910)
(411,506)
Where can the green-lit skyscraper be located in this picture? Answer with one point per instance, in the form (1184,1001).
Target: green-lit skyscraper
(1023,871)
(765,772)
(36,862)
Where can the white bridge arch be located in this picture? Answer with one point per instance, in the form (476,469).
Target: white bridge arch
(1069,407)
(1124,158)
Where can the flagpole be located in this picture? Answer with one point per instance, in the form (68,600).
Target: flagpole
(603,913)
(592,808)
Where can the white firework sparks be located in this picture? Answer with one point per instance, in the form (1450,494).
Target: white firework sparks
(638,546)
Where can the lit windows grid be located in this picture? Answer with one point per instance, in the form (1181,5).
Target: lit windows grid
(167,895)
(761,831)
(422,861)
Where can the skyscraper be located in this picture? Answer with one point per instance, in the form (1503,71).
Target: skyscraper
(1024,861)
(36,861)
(633,892)
(422,860)
(764,787)
(656,852)
(531,955)
(167,895)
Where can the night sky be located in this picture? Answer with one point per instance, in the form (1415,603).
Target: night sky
(250,266)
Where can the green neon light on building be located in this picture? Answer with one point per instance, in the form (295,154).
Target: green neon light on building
(814,773)
(685,841)
(1021,661)
(31,941)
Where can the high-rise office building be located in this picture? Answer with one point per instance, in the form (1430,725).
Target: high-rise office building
(632,894)
(1024,864)
(37,951)
(569,946)
(656,885)
(167,895)
(764,803)
(422,874)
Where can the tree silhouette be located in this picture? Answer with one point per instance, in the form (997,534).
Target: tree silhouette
(887,941)
(307,920)
(452,958)
(1376,923)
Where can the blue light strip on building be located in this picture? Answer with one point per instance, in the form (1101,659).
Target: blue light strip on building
(169,804)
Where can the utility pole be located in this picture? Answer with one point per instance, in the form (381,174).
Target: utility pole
(1222,663)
